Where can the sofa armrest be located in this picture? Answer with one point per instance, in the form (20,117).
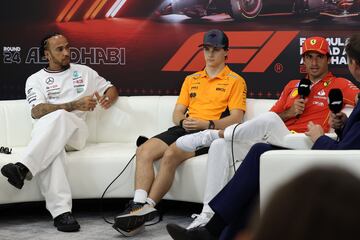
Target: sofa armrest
(279,166)
(300,141)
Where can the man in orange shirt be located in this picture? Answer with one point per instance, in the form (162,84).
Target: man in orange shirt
(204,99)
(291,113)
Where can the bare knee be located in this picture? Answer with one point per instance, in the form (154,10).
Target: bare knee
(143,154)
(170,160)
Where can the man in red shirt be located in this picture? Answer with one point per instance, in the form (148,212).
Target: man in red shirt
(291,113)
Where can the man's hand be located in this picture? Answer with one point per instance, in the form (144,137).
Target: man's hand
(87,103)
(295,110)
(104,100)
(314,131)
(337,121)
(298,107)
(191,124)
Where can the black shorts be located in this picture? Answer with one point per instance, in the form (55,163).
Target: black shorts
(173,133)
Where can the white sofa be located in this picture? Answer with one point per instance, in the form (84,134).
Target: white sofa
(113,134)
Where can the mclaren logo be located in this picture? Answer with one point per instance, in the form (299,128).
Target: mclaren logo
(257,50)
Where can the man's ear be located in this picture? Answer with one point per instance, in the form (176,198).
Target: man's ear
(47,55)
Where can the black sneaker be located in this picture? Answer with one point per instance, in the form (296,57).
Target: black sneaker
(180,233)
(134,216)
(66,223)
(15,173)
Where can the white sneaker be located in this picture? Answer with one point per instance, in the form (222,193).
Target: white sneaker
(195,141)
(200,220)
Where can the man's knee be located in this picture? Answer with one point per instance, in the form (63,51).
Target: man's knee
(261,147)
(143,154)
(219,143)
(170,160)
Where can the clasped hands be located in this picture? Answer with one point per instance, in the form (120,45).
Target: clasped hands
(192,124)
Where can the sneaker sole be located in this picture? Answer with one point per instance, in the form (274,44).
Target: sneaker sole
(10,176)
(71,228)
(129,233)
(133,221)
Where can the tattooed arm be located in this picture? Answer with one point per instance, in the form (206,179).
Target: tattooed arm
(87,103)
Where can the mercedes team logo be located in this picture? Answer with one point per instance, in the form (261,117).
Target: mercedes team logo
(49,80)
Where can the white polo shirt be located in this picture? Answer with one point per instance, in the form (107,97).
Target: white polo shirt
(65,86)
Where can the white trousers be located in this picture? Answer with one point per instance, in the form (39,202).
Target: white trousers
(45,156)
(266,128)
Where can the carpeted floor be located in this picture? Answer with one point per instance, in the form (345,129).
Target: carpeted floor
(31,221)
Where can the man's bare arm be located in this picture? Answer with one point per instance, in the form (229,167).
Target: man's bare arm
(87,103)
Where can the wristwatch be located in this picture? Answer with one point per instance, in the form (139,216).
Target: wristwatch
(181,122)
(211,124)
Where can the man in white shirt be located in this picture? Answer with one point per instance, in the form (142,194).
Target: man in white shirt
(60,95)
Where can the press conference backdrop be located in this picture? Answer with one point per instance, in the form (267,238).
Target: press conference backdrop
(148,47)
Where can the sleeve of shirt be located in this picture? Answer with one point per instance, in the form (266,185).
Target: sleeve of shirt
(350,141)
(237,98)
(349,91)
(101,83)
(279,106)
(34,95)
(184,97)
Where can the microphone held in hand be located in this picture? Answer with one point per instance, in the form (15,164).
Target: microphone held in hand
(304,88)
(140,140)
(335,100)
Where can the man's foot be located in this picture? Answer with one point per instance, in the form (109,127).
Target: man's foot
(15,173)
(179,233)
(200,220)
(66,223)
(135,216)
(195,141)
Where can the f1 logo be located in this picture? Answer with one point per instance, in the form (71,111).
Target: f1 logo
(257,49)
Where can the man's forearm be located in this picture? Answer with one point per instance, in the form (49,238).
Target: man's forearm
(285,115)
(44,108)
(227,121)
(178,117)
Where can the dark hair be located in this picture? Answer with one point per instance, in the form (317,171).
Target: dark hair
(44,43)
(322,203)
(353,48)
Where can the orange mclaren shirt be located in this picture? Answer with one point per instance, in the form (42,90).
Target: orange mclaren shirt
(316,106)
(208,99)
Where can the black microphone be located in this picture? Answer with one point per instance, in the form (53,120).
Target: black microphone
(335,100)
(140,140)
(303,89)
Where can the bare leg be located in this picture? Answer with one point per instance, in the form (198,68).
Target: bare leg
(146,154)
(171,159)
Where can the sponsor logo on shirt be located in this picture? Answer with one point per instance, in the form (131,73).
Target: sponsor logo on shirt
(78,82)
(317,103)
(294,93)
(49,80)
(321,93)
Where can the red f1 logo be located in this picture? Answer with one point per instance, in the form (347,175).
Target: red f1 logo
(256,49)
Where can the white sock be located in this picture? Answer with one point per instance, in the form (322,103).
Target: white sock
(151,202)
(140,196)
